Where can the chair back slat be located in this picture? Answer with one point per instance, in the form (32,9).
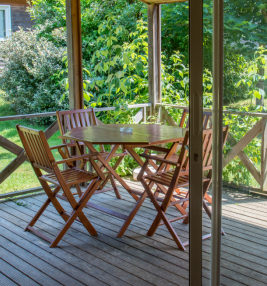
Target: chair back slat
(70,119)
(184,121)
(36,147)
(207,123)
(183,158)
(207,149)
(184,154)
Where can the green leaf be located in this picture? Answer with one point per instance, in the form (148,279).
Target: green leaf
(123,87)
(87,96)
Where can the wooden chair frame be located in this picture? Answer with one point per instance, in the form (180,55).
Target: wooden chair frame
(168,181)
(47,171)
(70,119)
(184,123)
(141,197)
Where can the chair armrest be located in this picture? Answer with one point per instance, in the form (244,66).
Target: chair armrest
(157,148)
(62,146)
(58,146)
(159,159)
(77,158)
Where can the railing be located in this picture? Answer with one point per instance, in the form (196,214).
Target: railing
(10,146)
(237,148)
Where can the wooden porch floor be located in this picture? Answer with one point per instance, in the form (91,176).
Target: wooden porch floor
(134,259)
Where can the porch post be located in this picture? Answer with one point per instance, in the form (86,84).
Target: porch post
(195,140)
(264,156)
(74,44)
(217,140)
(154,53)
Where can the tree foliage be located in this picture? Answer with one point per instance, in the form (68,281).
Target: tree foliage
(34,73)
(114,47)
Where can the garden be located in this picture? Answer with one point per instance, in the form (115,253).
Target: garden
(115,70)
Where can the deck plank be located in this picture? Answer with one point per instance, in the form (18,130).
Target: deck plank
(15,275)
(6,281)
(228,263)
(242,278)
(83,236)
(134,259)
(24,262)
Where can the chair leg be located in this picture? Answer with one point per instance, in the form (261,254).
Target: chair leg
(79,191)
(161,216)
(51,199)
(44,206)
(132,214)
(154,225)
(208,212)
(111,178)
(38,214)
(77,212)
(116,191)
(157,220)
(172,231)
(208,198)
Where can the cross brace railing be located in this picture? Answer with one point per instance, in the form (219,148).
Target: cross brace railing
(10,146)
(237,147)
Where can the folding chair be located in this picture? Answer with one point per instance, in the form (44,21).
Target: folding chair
(168,181)
(184,123)
(70,119)
(47,171)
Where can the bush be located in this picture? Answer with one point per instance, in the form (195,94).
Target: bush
(34,75)
(242,76)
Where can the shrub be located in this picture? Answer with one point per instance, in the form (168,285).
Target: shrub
(242,76)
(34,75)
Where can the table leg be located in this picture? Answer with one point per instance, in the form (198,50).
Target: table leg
(105,163)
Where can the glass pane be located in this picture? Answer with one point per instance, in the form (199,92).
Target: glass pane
(244,217)
(2,24)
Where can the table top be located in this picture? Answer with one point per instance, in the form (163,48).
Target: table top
(141,134)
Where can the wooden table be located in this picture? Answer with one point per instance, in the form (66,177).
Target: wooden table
(142,135)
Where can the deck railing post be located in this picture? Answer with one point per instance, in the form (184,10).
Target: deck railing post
(264,156)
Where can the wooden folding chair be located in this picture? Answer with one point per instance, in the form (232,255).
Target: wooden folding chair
(70,119)
(47,171)
(168,181)
(184,121)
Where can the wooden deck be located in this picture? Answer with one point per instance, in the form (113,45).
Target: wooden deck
(134,259)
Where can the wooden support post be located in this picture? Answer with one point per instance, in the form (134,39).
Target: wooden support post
(217,142)
(264,156)
(154,53)
(195,140)
(74,42)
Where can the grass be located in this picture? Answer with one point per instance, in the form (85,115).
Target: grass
(23,177)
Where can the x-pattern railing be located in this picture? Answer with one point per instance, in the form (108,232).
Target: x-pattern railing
(49,132)
(237,147)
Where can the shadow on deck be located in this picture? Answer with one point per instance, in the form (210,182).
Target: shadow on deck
(134,259)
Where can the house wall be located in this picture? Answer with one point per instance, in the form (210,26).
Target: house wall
(19,16)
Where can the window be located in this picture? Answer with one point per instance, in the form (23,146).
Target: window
(5,22)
